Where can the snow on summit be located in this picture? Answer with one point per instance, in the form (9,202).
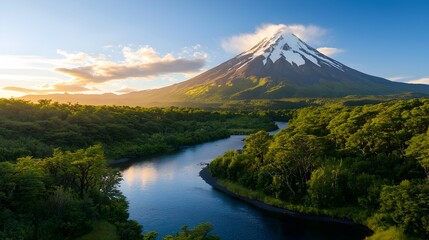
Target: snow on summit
(291,48)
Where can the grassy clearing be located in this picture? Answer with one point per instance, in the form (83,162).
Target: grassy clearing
(101,230)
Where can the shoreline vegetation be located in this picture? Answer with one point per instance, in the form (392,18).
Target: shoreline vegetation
(258,203)
(366,163)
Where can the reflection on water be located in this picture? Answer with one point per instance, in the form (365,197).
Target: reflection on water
(141,176)
(166,192)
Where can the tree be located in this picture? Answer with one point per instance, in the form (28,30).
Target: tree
(129,230)
(419,148)
(7,184)
(295,155)
(90,168)
(83,170)
(325,186)
(406,205)
(200,232)
(257,144)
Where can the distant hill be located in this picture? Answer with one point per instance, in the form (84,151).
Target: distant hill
(278,67)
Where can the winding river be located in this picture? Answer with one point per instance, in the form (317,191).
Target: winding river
(166,192)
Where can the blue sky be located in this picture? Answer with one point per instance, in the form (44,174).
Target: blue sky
(57,46)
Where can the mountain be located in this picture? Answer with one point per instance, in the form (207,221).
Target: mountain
(280,66)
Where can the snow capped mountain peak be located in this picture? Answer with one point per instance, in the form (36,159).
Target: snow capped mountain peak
(288,46)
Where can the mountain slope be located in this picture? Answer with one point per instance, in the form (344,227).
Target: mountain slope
(281,66)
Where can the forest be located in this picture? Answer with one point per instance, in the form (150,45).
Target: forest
(366,163)
(35,129)
(55,178)
(65,195)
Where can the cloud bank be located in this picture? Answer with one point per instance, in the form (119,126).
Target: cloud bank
(89,71)
(104,73)
(243,42)
(409,79)
(424,80)
(399,78)
(142,63)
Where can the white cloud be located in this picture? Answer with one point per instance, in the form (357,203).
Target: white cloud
(144,62)
(144,55)
(126,90)
(424,80)
(83,72)
(105,73)
(328,51)
(193,52)
(75,57)
(397,78)
(243,42)
(26,72)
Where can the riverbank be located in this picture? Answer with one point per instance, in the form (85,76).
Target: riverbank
(212,181)
(125,161)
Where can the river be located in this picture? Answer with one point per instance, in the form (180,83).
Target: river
(166,192)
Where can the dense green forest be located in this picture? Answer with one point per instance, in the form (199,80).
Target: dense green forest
(369,163)
(55,182)
(28,129)
(65,195)
(60,196)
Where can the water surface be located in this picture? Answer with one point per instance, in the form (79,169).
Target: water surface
(166,192)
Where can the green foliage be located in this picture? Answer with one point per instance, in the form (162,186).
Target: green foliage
(372,159)
(28,129)
(59,197)
(406,205)
(392,233)
(150,235)
(101,230)
(66,185)
(200,232)
(324,187)
(129,230)
(419,148)
(257,144)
